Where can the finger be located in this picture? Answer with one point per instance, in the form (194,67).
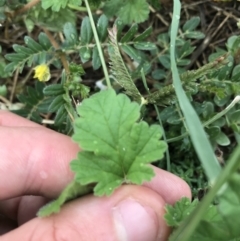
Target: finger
(39,165)
(22,209)
(161,183)
(9,119)
(6,225)
(169,186)
(37,159)
(131,213)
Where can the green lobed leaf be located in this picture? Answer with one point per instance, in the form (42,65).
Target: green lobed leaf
(52,20)
(177,213)
(116,148)
(111,7)
(57,5)
(221,222)
(213,226)
(134,11)
(128,11)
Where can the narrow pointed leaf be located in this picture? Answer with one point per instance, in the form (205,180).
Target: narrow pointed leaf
(86,31)
(130,34)
(102,25)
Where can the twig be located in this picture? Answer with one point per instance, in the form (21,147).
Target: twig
(56,46)
(4,100)
(25,8)
(14,84)
(159,16)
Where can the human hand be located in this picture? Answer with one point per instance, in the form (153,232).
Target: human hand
(34,168)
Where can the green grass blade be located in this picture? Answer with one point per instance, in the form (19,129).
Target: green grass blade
(196,131)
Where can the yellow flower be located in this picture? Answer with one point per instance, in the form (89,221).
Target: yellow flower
(42,73)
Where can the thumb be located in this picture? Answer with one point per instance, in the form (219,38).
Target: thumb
(132,213)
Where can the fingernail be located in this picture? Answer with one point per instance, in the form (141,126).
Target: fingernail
(134,221)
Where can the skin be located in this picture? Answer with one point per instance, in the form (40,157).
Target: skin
(34,168)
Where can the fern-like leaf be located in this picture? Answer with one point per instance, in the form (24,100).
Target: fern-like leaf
(35,103)
(33,52)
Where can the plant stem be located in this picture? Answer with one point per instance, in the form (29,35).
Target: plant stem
(25,8)
(56,46)
(160,121)
(74,7)
(98,45)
